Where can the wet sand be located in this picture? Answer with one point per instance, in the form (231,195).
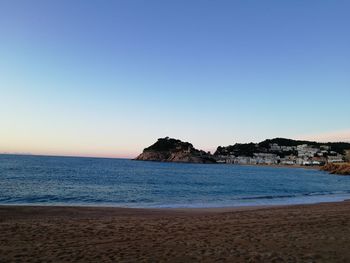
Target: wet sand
(304,233)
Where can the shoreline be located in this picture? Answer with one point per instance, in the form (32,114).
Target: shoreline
(295,233)
(212,209)
(218,209)
(263,201)
(311,167)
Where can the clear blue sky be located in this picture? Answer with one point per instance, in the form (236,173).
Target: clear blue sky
(107,78)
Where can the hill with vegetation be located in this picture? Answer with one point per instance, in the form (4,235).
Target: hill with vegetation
(248,149)
(173,150)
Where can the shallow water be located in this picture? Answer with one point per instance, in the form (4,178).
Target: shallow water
(43,180)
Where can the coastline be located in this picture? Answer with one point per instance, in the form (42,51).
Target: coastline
(313,167)
(318,232)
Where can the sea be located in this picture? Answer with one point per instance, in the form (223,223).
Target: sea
(81,181)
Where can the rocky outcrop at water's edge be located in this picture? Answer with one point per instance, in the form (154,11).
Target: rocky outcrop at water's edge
(173,150)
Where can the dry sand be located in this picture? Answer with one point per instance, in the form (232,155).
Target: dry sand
(305,233)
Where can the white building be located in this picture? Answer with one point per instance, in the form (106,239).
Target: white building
(335,159)
(305,150)
(266,158)
(275,147)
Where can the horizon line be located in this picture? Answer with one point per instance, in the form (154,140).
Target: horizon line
(63,155)
(134,156)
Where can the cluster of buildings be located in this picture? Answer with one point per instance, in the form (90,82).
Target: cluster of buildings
(287,155)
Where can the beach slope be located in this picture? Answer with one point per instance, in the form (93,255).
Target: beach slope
(305,233)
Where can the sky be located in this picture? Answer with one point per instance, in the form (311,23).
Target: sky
(107,78)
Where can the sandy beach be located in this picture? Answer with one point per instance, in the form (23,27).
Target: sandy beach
(303,233)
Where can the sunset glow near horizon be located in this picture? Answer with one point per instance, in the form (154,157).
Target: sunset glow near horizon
(89,78)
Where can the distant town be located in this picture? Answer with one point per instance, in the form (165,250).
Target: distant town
(303,154)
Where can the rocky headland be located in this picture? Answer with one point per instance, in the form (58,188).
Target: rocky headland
(173,150)
(339,168)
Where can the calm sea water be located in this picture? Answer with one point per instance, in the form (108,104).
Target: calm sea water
(43,180)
